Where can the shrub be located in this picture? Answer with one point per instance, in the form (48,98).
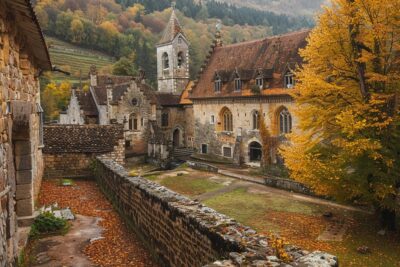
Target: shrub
(47,223)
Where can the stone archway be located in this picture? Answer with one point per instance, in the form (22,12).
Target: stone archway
(255,151)
(176,138)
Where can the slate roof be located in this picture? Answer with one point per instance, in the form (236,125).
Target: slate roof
(26,19)
(168,99)
(272,56)
(120,85)
(172,30)
(87,103)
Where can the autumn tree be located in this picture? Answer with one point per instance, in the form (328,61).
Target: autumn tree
(55,98)
(348,140)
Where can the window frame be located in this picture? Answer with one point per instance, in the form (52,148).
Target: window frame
(285,122)
(180,59)
(260,85)
(238,84)
(217,85)
(165,119)
(223,151)
(165,61)
(289,80)
(255,120)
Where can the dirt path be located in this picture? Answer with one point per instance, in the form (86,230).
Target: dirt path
(117,246)
(57,251)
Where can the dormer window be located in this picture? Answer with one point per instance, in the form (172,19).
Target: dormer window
(260,82)
(289,80)
(165,61)
(181,59)
(238,85)
(217,85)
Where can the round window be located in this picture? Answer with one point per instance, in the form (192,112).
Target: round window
(135,101)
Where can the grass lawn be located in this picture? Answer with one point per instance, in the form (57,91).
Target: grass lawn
(301,223)
(190,186)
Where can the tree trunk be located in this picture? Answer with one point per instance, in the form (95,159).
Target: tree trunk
(388,219)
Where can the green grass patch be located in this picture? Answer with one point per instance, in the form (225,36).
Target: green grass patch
(151,177)
(190,186)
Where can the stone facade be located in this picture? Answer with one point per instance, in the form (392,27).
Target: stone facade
(182,232)
(240,86)
(209,124)
(70,150)
(173,58)
(23,55)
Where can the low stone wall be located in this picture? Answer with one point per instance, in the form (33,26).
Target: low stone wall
(70,149)
(182,232)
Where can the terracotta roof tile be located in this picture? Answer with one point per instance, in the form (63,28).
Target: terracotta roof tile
(273,56)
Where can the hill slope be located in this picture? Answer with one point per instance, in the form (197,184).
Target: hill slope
(75,59)
(290,7)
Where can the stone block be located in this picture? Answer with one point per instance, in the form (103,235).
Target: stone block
(22,148)
(23,162)
(25,207)
(24,177)
(24,192)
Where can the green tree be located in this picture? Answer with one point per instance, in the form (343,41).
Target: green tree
(124,66)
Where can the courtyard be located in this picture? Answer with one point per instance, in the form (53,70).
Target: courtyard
(309,222)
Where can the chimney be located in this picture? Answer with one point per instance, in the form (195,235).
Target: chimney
(93,75)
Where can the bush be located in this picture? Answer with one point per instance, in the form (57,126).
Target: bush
(47,223)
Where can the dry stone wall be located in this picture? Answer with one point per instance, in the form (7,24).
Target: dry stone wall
(182,232)
(70,149)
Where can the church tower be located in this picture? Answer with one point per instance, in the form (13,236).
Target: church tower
(173,58)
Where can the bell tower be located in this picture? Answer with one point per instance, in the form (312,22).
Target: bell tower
(173,58)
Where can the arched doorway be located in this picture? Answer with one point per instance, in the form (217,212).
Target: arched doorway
(255,151)
(176,138)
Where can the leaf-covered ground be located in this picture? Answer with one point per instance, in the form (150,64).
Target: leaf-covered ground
(119,247)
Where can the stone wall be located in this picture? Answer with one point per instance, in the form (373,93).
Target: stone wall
(70,149)
(182,232)
(21,164)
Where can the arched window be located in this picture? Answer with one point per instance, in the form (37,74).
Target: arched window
(165,61)
(285,122)
(181,59)
(133,122)
(256,120)
(227,119)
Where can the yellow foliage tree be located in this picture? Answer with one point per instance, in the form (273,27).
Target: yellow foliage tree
(55,98)
(348,140)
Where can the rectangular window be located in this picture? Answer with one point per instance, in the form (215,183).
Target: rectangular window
(164,120)
(212,119)
(142,122)
(204,149)
(238,85)
(260,82)
(227,151)
(135,124)
(217,86)
(289,80)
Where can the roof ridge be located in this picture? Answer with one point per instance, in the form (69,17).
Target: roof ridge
(266,38)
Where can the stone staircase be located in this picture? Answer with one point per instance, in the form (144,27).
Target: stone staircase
(182,153)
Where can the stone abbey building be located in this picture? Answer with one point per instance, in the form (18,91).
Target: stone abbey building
(217,115)
(23,57)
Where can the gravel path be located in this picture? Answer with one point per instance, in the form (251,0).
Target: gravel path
(117,247)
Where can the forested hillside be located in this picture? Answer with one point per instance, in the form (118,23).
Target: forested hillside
(291,7)
(129,29)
